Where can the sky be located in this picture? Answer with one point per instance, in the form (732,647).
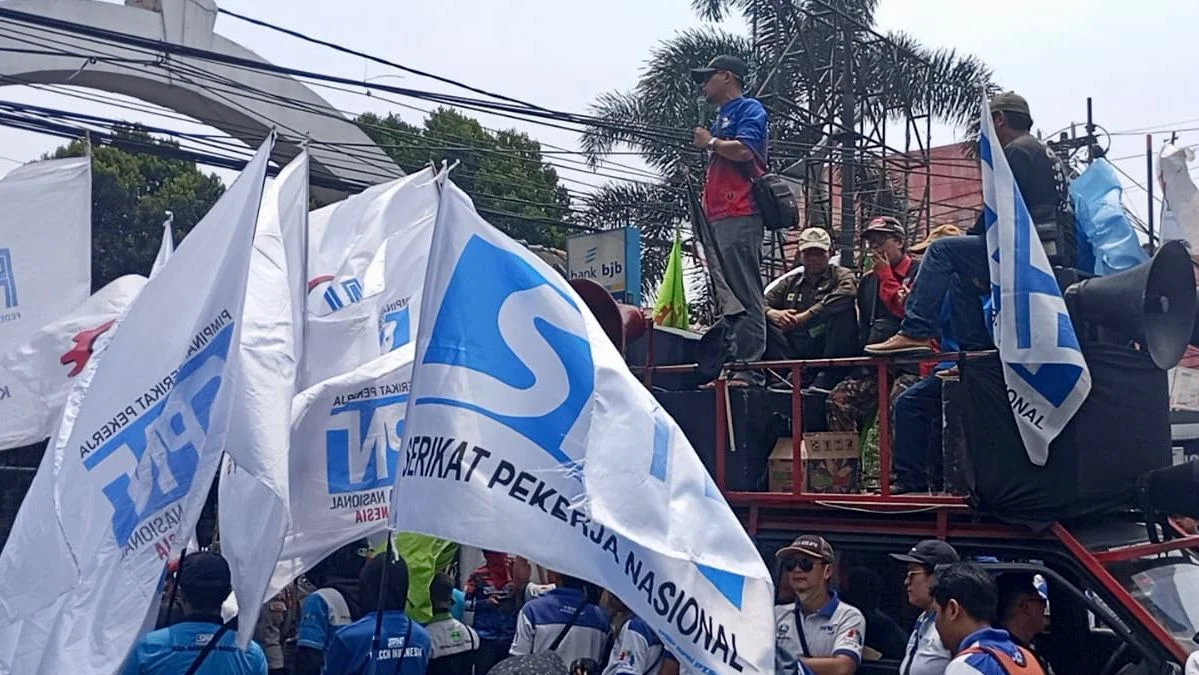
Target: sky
(563,54)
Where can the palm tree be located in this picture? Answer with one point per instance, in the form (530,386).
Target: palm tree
(797,58)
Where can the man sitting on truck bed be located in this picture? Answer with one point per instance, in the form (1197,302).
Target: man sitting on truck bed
(818,631)
(966,599)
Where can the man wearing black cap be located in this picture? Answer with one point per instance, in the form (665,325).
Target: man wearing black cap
(204,583)
(819,633)
(736,145)
(925,654)
(957,267)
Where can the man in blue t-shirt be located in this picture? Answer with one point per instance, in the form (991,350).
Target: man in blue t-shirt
(736,145)
(403,647)
(204,583)
(333,605)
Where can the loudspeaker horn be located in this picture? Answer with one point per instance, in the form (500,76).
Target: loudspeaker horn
(1153,303)
(622,323)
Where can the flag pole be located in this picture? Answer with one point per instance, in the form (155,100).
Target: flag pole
(389,553)
(175,586)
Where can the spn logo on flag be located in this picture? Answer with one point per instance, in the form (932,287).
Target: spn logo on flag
(155,458)
(363,440)
(8,280)
(551,356)
(525,416)
(1047,378)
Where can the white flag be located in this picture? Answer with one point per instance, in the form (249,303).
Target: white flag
(345,447)
(134,455)
(365,275)
(347,424)
(1046,376)
(167,247)
(525,420)
(253,490)
(43,369)
(45,245)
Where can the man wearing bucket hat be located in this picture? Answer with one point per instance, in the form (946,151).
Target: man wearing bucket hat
(819,631)
(958,267)
(732,237)
(810,314)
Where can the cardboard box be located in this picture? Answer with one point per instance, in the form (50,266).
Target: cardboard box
(832,463)
(1184,389)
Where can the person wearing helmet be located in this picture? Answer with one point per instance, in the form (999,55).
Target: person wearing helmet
(333,605)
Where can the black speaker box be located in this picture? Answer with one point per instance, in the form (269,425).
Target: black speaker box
(760,417)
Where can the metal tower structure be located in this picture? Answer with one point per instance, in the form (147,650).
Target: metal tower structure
(835,114)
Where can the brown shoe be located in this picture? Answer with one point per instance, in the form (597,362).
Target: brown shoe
(900,344)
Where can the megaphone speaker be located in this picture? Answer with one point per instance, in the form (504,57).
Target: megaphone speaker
(1153,303)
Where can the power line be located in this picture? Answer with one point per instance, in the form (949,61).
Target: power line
(376,59)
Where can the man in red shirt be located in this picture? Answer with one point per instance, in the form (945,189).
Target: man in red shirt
(736,146)
(881,297)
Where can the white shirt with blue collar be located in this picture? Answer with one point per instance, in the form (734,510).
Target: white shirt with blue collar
(925,654)
(836,629)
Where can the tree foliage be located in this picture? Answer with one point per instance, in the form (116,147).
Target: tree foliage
(131,193)
(503,172)
(796,63)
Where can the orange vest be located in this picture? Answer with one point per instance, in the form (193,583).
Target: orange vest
(1007,663)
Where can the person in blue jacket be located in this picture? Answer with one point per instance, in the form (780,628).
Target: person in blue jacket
(403,646)
(203,582)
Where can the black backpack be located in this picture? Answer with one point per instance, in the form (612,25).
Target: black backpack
(775,199)
(776,202)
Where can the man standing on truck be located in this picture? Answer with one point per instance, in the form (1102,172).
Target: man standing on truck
(736,145)
(925,654)
(818,632)
(965,599)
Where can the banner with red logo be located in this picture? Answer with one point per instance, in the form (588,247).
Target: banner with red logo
(38,374)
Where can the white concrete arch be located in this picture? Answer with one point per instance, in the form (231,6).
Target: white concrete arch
(239,112)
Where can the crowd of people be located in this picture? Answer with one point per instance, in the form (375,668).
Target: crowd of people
(909,298)
(352,610)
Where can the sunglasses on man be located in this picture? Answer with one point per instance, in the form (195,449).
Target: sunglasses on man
(804,564)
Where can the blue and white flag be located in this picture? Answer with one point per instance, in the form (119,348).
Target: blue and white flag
(1046,376)
(126,475)
(527,433)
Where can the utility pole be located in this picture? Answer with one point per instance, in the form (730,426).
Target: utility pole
(849,174)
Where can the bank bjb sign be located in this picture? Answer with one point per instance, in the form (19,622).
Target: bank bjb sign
(612,259)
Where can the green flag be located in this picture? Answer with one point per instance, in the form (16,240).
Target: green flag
(671,307)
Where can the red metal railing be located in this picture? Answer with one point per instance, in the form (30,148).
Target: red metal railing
(795,368)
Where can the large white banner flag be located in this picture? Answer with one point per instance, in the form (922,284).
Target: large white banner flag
(346,442)
(253,490)
(365,275)
(45,245)
(130,466)
(1047,378)
(44,368)
(525,419)
(361,322)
